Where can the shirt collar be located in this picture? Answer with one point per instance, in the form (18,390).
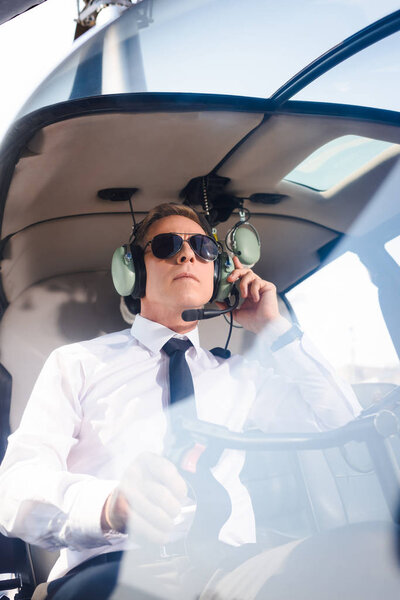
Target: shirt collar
(153,336)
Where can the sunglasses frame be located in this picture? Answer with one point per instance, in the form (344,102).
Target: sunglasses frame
(191,235)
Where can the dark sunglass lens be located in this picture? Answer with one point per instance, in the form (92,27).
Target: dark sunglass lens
(204,246)
(165,245)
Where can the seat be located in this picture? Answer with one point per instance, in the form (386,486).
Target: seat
(46,315)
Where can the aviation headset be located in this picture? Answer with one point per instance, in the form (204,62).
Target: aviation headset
(129,272)
(243,240)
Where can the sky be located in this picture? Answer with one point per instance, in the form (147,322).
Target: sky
(34,43)
(31,45)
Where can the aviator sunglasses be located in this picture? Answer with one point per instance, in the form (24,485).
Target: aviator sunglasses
(166,245)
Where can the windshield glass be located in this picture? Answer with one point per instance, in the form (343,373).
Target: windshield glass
(260,459)
(343,287)
(349,305)
(370,78)
(393,247)
(221,47)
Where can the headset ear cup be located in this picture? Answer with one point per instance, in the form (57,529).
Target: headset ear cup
(128,271)
(223,267)
(123,271)
(139,289)
(245,243)
(217,269)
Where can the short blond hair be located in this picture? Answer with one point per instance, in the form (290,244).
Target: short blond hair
(168,209)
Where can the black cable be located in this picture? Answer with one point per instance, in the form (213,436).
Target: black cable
(132,213)
(230,331)
(234,326)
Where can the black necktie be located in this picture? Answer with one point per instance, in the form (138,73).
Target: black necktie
(180,378)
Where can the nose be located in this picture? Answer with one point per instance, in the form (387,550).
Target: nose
(186,253)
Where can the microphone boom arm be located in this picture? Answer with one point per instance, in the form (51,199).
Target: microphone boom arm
(201,313)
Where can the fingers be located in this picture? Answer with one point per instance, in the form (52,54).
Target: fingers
(237,263)
(260,302)
(154,492)
(250,284)
(148,520)
(164,471)
(159,495)
(150,512)
(144,530)
(158,514)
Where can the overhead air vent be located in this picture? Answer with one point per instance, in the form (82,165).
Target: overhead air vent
(265,198)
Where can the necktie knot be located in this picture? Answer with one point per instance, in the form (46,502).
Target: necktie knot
(176,345)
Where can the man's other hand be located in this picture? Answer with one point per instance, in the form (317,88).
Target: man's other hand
(260,305)
(150,496)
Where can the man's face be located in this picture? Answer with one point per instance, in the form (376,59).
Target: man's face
(181,281)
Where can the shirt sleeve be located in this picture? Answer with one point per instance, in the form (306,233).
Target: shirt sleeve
(41,502)
(298,390)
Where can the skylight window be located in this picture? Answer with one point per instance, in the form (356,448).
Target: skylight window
(336,160)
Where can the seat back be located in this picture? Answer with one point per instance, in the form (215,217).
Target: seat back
(58,311)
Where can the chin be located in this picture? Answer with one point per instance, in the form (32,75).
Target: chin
(189,301)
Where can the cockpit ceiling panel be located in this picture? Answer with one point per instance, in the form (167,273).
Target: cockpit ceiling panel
(283,142)
(66,163)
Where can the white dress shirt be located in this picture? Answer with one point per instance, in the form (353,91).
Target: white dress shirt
(98,404)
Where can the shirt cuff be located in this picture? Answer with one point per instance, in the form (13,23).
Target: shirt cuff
(294,333)
(85,513)
(274,329)
(264,341)
(293,359)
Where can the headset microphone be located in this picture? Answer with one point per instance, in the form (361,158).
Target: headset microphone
(201,314)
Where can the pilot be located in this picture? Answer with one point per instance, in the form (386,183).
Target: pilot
(85,471)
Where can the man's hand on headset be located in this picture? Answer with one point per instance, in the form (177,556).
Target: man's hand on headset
(146,502)
(260,305)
